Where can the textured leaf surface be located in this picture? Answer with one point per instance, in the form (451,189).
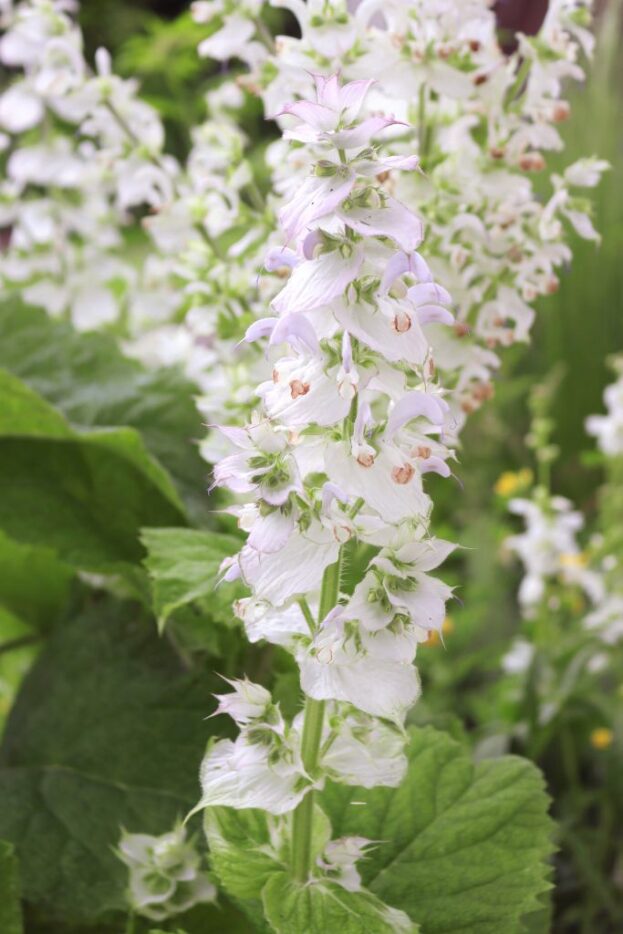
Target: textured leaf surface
(106,731)
(319,909)
(464,846)
(183,566)
(21,564)
(10,908)
(236,839)
(85,495)
(87,378)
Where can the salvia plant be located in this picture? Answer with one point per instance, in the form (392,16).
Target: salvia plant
(341,307)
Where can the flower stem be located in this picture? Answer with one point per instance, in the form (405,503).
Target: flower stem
(302,819)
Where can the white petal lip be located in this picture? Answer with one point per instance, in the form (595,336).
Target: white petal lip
(392,220)
(415,405)
(314,199)
(361,134)
(293,570)
(238,775)
(296,329)
(382,689)
(401,263)
(270,533)
(319,281)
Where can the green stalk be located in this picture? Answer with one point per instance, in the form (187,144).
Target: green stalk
(302,820)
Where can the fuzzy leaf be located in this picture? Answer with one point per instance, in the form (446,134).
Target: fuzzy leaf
(107,731)
(21,564)
(238,842)
(464,846)
(83,494)
(183,566)
(87,378)
(292,908)
(10,907)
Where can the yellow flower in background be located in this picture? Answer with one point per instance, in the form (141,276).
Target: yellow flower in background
(433,636)
(602,738)
(574,560)
(511,482)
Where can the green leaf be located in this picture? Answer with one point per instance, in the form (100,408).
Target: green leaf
(465,846)
(238,841)
(84,494)
(21,564)
(322,907)
(88,379)
(10,907)
(183,566)
(107,730)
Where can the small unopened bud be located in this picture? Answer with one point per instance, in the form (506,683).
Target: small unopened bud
(298,388)
(342,533)
(483,391)
(532,162)
(401,322)
(561,111)
(402,474)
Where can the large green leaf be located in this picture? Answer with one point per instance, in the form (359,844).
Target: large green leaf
(21,564)
(88,379)
(183,566)
(239,850)
(320,908)
(10,907)
(107,730)
(84,494)
(464,846)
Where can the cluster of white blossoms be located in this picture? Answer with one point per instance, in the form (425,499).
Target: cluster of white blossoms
(549,550)
(554,563)
(166,876)
(552,558)
(100,226)
(608,429)
(87,177)
(481,120)
(350,420)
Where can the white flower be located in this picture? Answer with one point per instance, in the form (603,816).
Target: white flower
(365,751)
(518,658)
(258,772)
(339,859)
(166,875)
(608,429)
(247,702)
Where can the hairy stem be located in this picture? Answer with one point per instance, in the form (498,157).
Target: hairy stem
(303,816)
